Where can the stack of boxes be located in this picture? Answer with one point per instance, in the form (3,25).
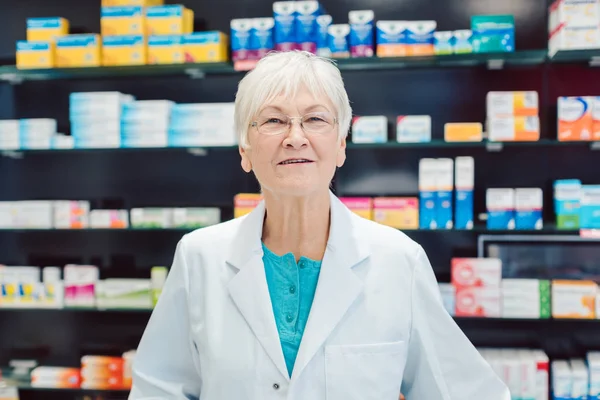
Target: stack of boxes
(513,116)
(477,283)
(573,25)
(9,135)
(102,373)
(509,208)
(146,123)
(96,118)
(36,133)
(38,51)
(202,124)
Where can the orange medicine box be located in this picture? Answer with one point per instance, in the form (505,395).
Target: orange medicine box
(574,299)
(362,206)
(244,203)
(575,118)
(397,212)
(463,132)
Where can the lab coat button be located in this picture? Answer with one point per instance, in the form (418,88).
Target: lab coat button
(276,386)
(289,318)
(292,289)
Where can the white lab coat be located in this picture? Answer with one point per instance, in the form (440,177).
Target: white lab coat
(377,324)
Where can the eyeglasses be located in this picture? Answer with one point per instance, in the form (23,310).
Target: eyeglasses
(318,123)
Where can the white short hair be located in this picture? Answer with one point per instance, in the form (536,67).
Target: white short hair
(282,73)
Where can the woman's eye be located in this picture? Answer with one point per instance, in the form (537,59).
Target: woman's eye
(316,119)
(274,121)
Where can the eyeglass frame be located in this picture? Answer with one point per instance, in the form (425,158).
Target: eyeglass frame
(254,124)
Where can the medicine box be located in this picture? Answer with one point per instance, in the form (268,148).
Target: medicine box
(526,298)
(46,29)
(9,134)
(370,129)
(244,203)
(241,33)
(573,14)
(122,21)
(35,55)
(73,51)
(165,49)
(284,13)
(443,42)
(362,42)
(56,377)
(528,206)
(323,22)
(448,293)
(500,204)
(573,299)
(580,376)
(200,47)
(493,33)
(397,212)
(428,170)
(444,201)
(463,132)
(261,40)
(338,40)
(419,37)
(567,197)
(562,380)
(593,361)
(151,218)
(507,104)
(476,272)
(575,118)
(306,27)
(140,3)
(478,302)
(169,20)
(577,38)
(413,128)
(195,217)
(109,219)
(463,41)
(362,206)
(589,212)
(80,285)
(464,182)
(596,118)
(71,214)
(123,50)
(123,294)
(391,39)
(514,129)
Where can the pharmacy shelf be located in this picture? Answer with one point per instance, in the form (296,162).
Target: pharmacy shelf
(201,151)
(591,56)
(201,70)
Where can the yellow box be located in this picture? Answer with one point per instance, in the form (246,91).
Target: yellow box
(117,21)
(73,51)
(397,212)
(244,203)
(169,20)
(124,50)
(202,47)
(46,29)
(463,132)
(574,299)
(167,49)
(35,54)
(362,206)
(505,104)
(125,3)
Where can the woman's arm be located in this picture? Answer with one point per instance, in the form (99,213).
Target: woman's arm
(442,363)
(166,364)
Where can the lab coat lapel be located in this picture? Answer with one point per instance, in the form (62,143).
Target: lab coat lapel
(338,286)
(249,289)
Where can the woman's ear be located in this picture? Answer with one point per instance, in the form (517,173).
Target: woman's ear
(341,155)
(246,163)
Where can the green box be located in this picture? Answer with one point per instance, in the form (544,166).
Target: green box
(493,33)
(567,221)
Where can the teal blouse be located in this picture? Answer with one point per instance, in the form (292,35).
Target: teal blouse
(292,289)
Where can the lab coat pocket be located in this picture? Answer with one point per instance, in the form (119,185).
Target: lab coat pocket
(365,372)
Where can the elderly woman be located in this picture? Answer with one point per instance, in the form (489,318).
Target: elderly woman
(302,299)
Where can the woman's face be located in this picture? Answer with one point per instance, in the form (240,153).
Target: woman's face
(294,162)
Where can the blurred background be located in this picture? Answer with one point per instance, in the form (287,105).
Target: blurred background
(476,132)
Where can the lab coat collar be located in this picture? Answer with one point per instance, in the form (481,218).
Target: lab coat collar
(337,288)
